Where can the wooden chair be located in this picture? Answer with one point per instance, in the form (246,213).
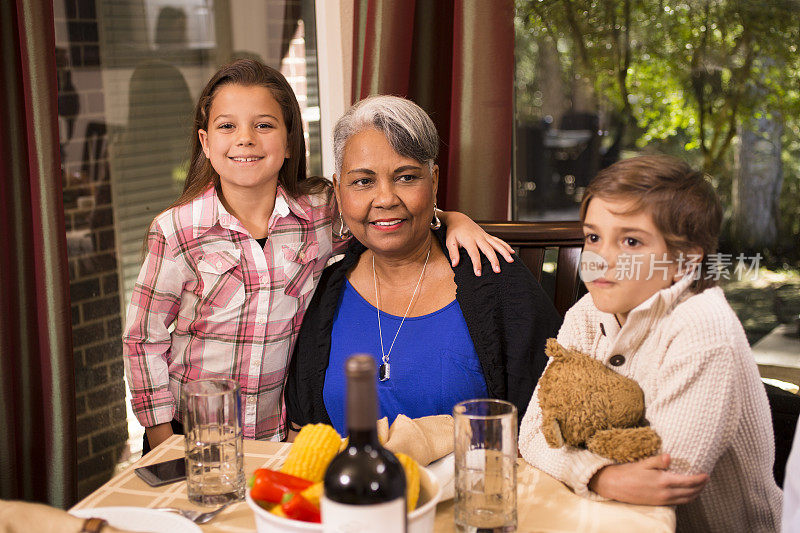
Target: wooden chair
(532,239)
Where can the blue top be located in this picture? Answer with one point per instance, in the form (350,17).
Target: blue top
(434,364)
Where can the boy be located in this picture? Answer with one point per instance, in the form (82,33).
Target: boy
(656,316)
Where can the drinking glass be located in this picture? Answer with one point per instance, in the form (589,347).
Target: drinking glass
(214,457)
(486,466)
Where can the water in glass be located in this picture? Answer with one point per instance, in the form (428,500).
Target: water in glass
(485,485)
(486,466)
(215,466)
(213,439)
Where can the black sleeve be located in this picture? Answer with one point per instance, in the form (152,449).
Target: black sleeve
(305,377)
(295,417)
(528,319)
(296,409)
(509,317)
(306,374)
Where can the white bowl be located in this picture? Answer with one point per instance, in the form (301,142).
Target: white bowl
(420,520)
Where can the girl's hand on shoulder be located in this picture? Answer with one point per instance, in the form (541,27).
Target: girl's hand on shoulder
(647,482)
(463,232)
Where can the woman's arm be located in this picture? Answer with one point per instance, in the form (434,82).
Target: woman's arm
(293,396)
(528,320)
(305,379)
(24,517)
(463,232)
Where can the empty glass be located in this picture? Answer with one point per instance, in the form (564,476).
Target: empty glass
(214,458)
(486,466)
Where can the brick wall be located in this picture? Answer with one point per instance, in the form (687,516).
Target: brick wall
(100,45)
(94,277)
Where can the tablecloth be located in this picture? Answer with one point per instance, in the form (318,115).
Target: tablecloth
(543,503)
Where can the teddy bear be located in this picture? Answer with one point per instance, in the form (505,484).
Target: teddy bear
(586,404)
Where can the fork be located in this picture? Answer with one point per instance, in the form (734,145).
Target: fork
(196,516)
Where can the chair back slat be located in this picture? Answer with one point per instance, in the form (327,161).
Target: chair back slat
(534,260)
(532,239)
(567,281)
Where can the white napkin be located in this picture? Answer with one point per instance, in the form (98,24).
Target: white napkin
(424,439)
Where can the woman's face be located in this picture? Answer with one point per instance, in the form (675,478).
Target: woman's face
(386,199)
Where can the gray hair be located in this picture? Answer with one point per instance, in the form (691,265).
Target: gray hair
(408,128)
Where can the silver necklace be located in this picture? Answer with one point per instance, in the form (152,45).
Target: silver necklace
(384,370)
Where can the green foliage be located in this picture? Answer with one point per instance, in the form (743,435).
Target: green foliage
(789,207)
(680,74)
(695,66)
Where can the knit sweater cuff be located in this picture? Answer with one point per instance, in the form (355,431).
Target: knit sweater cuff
(585,466)
(572,466)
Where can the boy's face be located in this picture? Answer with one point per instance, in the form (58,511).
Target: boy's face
(639,264)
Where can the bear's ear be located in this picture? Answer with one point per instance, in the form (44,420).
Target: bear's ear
(553,349)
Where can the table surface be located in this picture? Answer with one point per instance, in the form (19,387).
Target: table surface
(543,504)
(778,354)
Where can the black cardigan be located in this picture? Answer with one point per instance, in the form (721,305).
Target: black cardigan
(508,315)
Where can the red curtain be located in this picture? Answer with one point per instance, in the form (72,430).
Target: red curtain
(37,397)
(455,58)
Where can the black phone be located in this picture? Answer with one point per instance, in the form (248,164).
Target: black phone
(164,473)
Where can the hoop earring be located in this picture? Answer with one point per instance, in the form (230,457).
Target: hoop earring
(435,223)
(344,231)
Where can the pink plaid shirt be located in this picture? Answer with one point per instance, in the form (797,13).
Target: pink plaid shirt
(236,309)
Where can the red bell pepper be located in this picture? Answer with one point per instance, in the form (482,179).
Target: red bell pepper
(270,486)
(298,508)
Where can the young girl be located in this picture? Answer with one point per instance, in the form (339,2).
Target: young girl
(230,268)
(656,317)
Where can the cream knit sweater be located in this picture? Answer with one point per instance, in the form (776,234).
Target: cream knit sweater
(703,396)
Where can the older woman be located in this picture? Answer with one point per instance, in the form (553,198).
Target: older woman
(439,334)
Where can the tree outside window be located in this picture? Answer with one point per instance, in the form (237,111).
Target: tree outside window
(714,83)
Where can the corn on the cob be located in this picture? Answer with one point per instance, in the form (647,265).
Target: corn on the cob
(411,469)
(314,447)
(313,493)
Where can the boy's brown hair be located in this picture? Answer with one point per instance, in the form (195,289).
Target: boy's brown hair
(682,202)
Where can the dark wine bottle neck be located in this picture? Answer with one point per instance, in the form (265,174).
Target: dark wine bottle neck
(364,437)
(362,405)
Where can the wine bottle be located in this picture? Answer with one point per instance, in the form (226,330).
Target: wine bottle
(364,486)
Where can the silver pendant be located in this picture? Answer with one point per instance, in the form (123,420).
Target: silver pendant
(383,372)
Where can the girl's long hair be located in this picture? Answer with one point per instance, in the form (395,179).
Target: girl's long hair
(251,73)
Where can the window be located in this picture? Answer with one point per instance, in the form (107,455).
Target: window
(711,82)
(129,72)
